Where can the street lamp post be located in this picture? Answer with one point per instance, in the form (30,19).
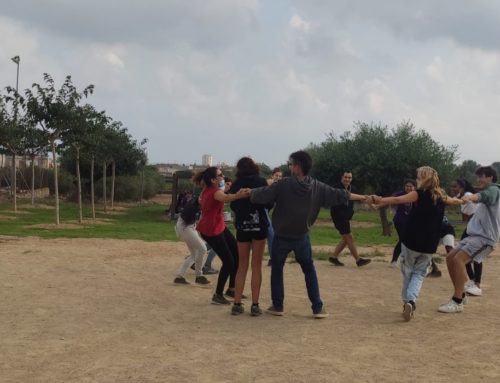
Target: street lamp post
(16,59)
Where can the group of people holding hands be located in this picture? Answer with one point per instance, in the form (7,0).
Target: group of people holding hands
(296,201)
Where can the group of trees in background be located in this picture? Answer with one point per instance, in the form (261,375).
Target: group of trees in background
(45,119)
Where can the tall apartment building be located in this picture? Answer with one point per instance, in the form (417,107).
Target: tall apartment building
(207,160)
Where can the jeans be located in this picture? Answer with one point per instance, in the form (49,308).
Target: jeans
(210,257)
(303,255)
(413,267)
(270,236)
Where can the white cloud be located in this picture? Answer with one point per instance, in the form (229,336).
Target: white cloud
(297,23)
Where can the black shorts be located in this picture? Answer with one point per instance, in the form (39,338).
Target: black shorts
(249,236)
(343,226)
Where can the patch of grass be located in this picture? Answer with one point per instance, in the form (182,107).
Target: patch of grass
(372,254)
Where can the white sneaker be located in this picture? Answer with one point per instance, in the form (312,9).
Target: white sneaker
(394,264)
(472,289)
(451,307)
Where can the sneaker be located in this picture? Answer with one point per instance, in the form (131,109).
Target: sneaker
(321,314)
(274,311)
(181,281)
(237,310)
(255,310)
(335,261)
(201,280)
(219,300)
(362,262)
(451,307)
(435,273)
(407,311)
(472,289)
(208,270)
(230,294)
(394,264)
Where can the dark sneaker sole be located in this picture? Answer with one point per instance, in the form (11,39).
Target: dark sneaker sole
(407,312)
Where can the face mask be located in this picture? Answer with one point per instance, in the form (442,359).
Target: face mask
(222,184)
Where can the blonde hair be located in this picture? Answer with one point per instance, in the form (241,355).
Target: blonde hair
(429,180)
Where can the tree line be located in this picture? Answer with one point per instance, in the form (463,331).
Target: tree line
(45,119)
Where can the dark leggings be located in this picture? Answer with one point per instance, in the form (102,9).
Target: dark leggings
(474,269)
(397,249)
(226,248)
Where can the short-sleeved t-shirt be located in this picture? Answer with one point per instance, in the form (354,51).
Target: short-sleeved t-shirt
(211,222)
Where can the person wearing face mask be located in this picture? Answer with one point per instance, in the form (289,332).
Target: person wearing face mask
(213,230)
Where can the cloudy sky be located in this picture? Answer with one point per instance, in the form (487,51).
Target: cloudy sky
(265,78)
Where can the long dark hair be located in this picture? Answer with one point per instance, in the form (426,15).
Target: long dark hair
(466,185)
(246,167)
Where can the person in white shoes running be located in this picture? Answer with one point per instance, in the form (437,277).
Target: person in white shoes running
(483,232)
(421,234)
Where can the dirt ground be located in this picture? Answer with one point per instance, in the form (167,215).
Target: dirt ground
(80,310)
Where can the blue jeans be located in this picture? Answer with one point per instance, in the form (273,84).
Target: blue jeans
(414,268)
(270,235)
(303,255)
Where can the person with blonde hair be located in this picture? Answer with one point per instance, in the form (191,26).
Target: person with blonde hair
(421,235)
(213,230)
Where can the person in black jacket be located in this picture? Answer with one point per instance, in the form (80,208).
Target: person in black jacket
(341,217)
(252,224)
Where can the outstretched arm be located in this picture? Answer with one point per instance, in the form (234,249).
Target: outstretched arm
(405,198)
(223,197)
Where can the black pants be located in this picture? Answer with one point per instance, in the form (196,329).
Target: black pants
(226,248)
(397,249)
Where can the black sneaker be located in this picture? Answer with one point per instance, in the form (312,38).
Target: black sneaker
(219,300)
(181,281)
(335,261)
(274,311)
(237,310)
(435,273)
(255,310)
(362,262)
(208,270)
(201,280)
(230,294)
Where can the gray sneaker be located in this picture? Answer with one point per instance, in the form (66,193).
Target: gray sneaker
(255,310)
(274,311)
(407,311)
(208,270)
(219,300)
(181,281)
(321,314)
(237,310)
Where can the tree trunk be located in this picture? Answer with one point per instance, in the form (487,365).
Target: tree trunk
(14,181)
(386,225)
(142,186)
(79,181)
(56,182)
(32,180)
(104,186)
(92,200)
(113,174)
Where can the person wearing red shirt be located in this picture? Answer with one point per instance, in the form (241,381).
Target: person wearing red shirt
(213,230)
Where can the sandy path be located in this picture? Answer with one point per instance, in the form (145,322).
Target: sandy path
(79,310)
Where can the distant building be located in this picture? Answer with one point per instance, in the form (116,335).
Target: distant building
(25,161)
(207,160)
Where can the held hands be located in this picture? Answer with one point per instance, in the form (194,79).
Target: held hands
(243,193)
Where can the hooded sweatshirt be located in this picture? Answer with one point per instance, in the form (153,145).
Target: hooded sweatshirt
(486,220)
(297,203)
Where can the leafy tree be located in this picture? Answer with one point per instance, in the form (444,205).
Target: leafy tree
(12,132)
(380,158)
(52,111)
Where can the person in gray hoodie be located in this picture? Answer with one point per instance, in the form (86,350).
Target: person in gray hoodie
(298,200)
(483,231)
